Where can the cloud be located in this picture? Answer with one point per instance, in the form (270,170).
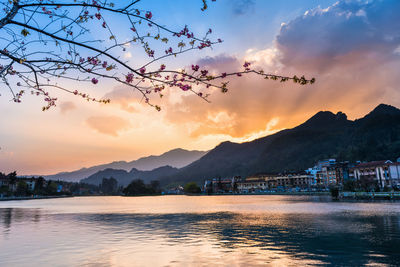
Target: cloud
(67,106)
(123,96)
(110,125)
(351,48)
(220,62)
(347,32)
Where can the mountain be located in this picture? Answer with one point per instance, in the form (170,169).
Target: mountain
(124,178)
(325,135)
(176,158)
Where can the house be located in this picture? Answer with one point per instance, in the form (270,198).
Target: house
(255,183)
(324,173)
(384,173)
(4,181)
(30,182)
(261,183)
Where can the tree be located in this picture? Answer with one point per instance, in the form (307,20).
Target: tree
(45,43)
(349,185)
(12,176)
(39,185)
(22,189)
(155,187)
(51,188)
(138,187)
(109,186)
(192,188)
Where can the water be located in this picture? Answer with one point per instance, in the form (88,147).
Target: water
(198,231)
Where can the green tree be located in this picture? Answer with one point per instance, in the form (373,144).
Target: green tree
(12,176)
(349,185)
(22,189)
(39,185)
(334,192)
(155,187)
(136,187)
(192,188)
(51,188)
(109,186)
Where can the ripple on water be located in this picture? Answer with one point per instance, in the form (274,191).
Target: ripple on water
(225,230)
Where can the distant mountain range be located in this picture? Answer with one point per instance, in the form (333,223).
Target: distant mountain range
(124,178)
(176,158)
(325,135)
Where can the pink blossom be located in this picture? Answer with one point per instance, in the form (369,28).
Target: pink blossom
(98,16)
(185,87)
(129,78)
(195,67)
(95,81)
(149,15)
(169,51)
(142,70)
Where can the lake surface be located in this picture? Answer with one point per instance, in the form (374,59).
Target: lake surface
(198,231)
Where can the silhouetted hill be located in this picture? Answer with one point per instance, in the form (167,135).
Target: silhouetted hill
(325,135)
(124,178)
(177,158)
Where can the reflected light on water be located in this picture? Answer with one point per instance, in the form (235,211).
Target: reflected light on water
(206,230)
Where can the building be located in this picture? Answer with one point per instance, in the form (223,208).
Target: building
(4,181)
(256,183)
(342,170)
(7,184)
(273,182)
(221,185)
(330,172)
(30,182)
(394,172)
(324,173)
(384,173)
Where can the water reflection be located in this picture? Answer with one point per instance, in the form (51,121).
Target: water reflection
(36,237)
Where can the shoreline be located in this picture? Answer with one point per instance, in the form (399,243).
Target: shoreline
(34,197)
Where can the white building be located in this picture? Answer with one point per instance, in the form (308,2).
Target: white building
(384,173)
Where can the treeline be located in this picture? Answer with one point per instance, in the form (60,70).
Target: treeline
(138,187)
(11,185)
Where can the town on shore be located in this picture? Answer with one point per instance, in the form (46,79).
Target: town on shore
(326,175)
(339,178)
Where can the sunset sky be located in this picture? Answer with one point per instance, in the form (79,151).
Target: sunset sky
(352,48)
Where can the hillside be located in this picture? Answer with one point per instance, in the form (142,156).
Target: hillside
(176,158)
(124,178)
(325,135)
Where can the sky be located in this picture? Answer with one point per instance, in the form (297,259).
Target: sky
(352,48)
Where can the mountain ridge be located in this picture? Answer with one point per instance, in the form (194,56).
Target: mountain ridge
(175,158)
(324,135)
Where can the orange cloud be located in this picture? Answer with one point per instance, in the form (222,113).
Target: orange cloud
(350,49)
(123,96)
(67,106)
(110,125)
